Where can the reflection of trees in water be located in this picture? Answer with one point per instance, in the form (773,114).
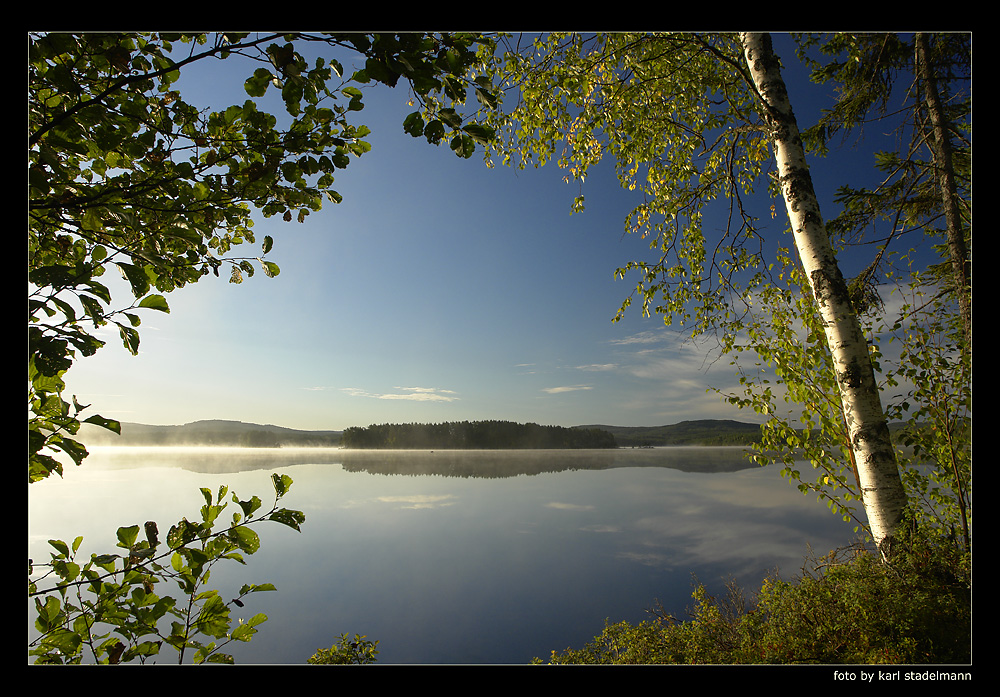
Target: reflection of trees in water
(488,464)
(213,460)
(511,463)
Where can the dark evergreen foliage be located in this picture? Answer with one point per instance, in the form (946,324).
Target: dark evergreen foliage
(475,435)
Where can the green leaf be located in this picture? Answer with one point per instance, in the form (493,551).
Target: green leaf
(292,519)
(72,448)
(63,640)
(249,507)
(136,276)
(155,302)
(109,424)
(60,547)
(282,483)
(130,338)
(257,84)
(434,131)
(483,134)
(213,619)
(463,145)
(253,588)
(127,536)
(246,538)
(414,124)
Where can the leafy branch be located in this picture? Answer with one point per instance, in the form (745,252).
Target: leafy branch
(109,604)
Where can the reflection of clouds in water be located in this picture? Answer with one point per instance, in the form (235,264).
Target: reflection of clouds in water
(602,528)
(758,488)
(407,553)
(568,506)
(735,527)
(418,500)
(656,560)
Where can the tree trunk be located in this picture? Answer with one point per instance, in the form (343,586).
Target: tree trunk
(882,489)
(941,148)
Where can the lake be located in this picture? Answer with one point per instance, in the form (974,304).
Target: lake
(457,557)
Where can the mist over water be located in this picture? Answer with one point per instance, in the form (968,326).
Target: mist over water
(458,556)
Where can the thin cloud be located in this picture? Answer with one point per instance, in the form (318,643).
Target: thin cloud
(569,506)
(419,501)
(600,367)
(412,394)
(640,338)
(566,388)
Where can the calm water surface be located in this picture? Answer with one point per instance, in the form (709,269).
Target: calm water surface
(457,557)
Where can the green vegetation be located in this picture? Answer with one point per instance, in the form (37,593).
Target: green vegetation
(248,435)
(816,353)
(700,432)
(699,120)
(475,435)
(848,608)
(357,651)
(126,176)
(115,608)
(921,348)
(235,434)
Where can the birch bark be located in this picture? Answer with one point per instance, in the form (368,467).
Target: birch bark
(882,489)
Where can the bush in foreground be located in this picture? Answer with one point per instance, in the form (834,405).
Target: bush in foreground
(357,651)
(848,608)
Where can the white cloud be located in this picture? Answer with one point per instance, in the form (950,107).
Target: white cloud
(566,388)
(598,367)
(640,338)
(419,501)
(413,394)
(569,506)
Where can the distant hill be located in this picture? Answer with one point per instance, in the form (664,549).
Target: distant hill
(212,432)
(700,432)
(240,434)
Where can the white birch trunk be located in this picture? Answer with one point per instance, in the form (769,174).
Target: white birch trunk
(882,489)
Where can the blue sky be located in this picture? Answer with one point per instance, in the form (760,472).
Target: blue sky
(438,290)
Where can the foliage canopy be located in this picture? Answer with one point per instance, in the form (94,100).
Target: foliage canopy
(125,175)
(683,122)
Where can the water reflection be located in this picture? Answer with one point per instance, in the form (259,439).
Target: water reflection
(460,557)
(449,463)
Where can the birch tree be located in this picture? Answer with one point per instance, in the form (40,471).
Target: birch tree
(918,89)
(874,457)
(689,120)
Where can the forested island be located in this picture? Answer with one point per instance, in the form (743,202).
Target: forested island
(475,435)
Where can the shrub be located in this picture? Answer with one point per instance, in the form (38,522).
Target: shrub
(359,651)
(848,608)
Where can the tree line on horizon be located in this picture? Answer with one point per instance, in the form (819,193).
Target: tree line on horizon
(475,435)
